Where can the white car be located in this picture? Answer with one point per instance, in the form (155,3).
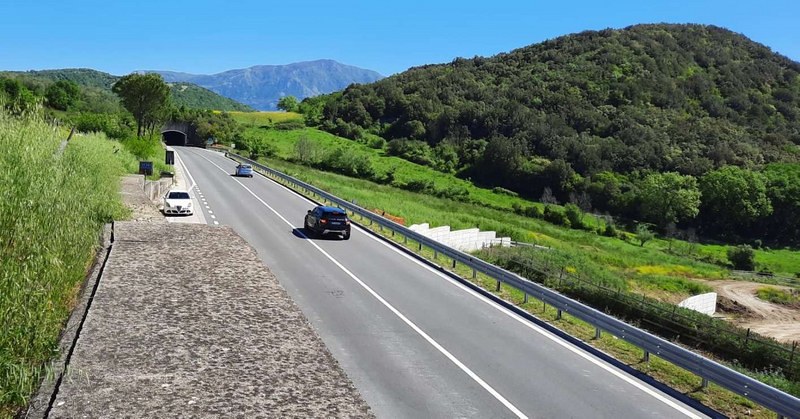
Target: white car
(177,202)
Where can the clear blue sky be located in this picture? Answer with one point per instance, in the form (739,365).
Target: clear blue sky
(202,36)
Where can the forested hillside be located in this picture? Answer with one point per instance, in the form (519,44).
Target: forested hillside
(623,117)
(97,85)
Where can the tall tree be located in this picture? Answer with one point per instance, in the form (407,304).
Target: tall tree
(62,94)
(734,198)
(146,96)
(669,197)
(289,104)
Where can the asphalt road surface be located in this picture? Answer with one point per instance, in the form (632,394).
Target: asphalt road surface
(415,342)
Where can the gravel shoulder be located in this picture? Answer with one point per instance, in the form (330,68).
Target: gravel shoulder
(186,321)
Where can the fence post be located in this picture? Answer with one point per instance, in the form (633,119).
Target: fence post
(560,276)
(746,338)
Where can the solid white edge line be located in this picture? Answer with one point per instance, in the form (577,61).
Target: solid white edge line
(199,214)
(400,315)
(616,372)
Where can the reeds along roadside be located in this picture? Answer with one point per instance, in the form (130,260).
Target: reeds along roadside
(52,208)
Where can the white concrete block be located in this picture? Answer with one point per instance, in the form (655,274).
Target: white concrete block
(704,303)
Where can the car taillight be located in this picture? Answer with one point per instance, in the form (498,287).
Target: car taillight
(347,222)
(323,221)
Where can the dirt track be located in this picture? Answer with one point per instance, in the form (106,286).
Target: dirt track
(765,318)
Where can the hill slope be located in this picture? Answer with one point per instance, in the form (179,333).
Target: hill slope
(99,84)
(262,86)
(685,98)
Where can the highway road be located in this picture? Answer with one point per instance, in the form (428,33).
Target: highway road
(415,342)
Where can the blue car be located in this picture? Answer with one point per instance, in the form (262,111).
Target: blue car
(244,170)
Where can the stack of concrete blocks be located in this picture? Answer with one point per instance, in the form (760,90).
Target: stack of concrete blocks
(464,240)
(704,303)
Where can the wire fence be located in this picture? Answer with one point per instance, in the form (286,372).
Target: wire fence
(700,331)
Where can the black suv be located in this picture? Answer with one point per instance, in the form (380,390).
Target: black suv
(324,220)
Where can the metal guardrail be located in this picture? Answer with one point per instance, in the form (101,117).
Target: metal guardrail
(783,404)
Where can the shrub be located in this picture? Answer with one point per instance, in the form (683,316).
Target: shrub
(575,215)
(458,193)
(742,257)
(610,231)
(556,216)
(418,185)
(643,234)
(534,212)
(412,150)
(503,191)
(289,125)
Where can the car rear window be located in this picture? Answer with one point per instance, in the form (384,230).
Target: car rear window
(178,195)
(334,216)
(245,166)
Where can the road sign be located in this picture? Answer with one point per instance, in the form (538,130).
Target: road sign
(146,168)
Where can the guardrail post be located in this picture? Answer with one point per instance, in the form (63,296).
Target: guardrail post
(597,333)
(704,383)
(474,273)
(435,253)
(454,263)
(558,314)
(498,286)
(420,247)
(525,299)
(646,357)
(405,239)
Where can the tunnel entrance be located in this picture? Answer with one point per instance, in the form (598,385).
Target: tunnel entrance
(174,138)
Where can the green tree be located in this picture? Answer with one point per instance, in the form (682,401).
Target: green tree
(734,198)
(669,197)
(146,96)
(742,257)
(289,104)
(643,234)
(62,94)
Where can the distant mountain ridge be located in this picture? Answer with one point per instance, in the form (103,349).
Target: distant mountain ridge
(262,86)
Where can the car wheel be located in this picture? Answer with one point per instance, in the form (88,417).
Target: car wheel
(346,235)
(308,229)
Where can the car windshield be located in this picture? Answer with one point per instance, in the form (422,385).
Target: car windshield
(178,195)
(244,166)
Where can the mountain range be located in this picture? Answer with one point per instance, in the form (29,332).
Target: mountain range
(262,86)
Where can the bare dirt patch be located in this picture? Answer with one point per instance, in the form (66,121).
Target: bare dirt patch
(765,318)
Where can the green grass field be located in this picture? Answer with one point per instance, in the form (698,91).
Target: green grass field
(608,260)
(662,269)
(257,119)
(52,208)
